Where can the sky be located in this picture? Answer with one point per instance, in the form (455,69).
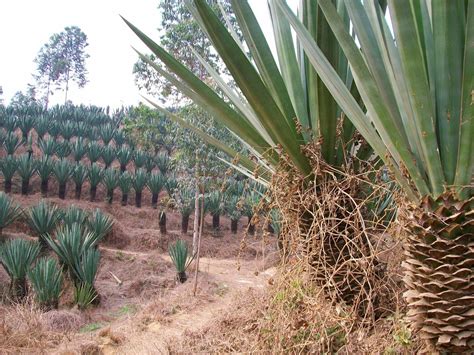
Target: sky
(26,25)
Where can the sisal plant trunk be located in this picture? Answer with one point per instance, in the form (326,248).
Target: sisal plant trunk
(154,200)
(251,226)
(25,186)
(233,226)
(8,186)
(439,271)
(44,188)
(216,221)
(110,196)
(138,199)
(78,191)
(93,193)
(49,305)
(123,168)
(270,228)
(62,191)
(162,223)
(19,289)
(184,223)
(124,199)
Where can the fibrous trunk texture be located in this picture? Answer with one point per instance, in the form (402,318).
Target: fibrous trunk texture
(439,271)
(327,224)
(233,226)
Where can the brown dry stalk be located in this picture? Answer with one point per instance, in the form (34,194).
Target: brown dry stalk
(329,224)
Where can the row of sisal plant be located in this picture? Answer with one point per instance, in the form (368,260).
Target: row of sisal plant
(64,171)
(72,234)
(81,148)
(44,127)
(66,121)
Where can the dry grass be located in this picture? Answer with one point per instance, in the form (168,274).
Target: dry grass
(22,330)
(294,317)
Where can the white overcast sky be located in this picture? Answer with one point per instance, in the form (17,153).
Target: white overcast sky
(25,25)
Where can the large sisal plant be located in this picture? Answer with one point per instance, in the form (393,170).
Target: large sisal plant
(276,107)
(405,85)
(413,68)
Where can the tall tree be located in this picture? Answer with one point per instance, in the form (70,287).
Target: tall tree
(62,60)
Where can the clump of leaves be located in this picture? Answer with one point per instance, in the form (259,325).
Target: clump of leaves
(179,255)
(43,219)
(47,279)
(17,256)
(100,225)
(9,212)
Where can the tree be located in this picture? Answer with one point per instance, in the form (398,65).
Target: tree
(149,129)
(180,32)
(62,60)
(25,99)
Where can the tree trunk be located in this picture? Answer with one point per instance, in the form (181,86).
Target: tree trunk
(67,87)
(184,223)
(62,191)
(251,226)
(25,185)
(162,223)
(78,191)
(8,186)
(216,221)
(138,199)
(154,200)
(47,96)
(233,226)
(110,196)
(124,199)
(93,193)
(196,218)
(44,188)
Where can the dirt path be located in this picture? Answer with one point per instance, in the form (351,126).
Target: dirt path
(231,276)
